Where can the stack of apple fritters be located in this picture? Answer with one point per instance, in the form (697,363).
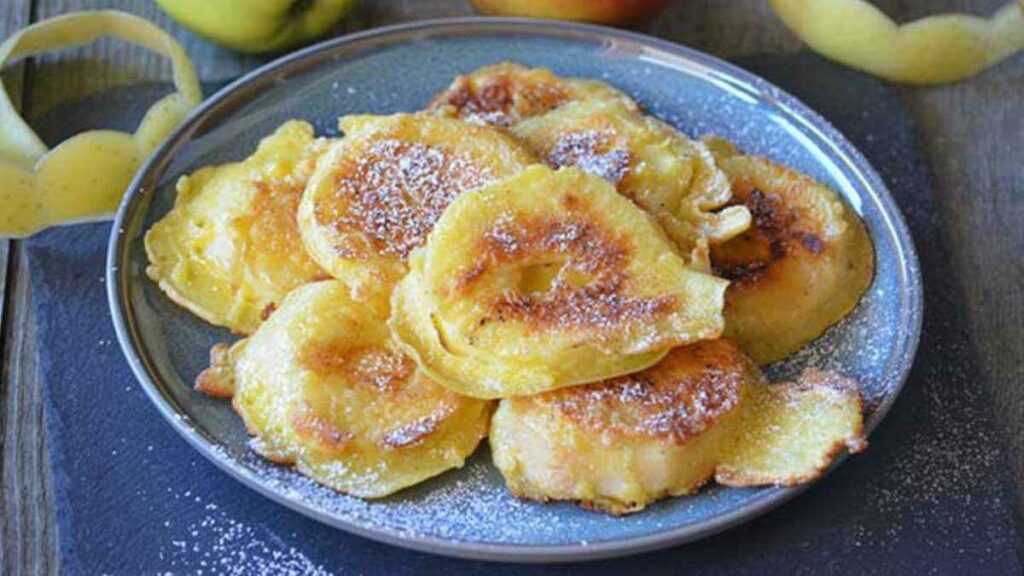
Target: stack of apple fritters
(531,258)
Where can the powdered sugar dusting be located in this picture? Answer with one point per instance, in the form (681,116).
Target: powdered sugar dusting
(473,505)
(215,542)
(593,152)
(395,192)
(412,433)
(589,288)
(218,544)
(675,399)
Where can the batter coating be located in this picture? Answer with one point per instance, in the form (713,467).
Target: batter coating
(378,191)
(544,280)
(505,94)
(800,268)
(321,385)
(230,249)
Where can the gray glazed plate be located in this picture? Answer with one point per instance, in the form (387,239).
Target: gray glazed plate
(468,512)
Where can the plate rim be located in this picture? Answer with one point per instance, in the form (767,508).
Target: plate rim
(248,85)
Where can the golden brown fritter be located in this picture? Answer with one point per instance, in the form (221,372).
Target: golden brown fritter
(548,279)
(321,385)
(505,94)
(590,125)
(801,267)
(792,432)
(620,444)
(230,249)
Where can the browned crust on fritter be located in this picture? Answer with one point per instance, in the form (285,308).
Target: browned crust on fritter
(384,372)
(378,369)
(502,94)
(394,192)
(676,400)
(309,425)
(416,432)
(270,224)
(218,380)
(575,248)
(817,378)
(774,234)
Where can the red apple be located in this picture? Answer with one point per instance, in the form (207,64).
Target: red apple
(614,12)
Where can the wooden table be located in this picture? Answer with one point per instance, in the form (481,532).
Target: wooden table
(972,133)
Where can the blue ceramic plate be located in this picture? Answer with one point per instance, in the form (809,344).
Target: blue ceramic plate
(468,512)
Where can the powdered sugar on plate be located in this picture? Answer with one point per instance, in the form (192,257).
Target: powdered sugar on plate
(218,544)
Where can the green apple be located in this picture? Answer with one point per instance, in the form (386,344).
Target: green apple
(615,12)
(258,25)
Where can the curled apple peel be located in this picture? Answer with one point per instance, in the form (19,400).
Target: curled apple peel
(84,177)
(933,50)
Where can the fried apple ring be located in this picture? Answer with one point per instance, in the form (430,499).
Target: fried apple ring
(618,445)
(378,191)
(548,279)
(321,385)
(230,249)
(505,94)
(801,267)
(670,176)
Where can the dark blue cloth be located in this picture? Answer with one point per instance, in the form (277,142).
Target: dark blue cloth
(931,495)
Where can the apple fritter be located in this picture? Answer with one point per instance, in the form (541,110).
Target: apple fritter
(505,94)
(377,192)
(230,249)
(703,412)
(621,444)
(548,279)
(663,171)
(321,385)
(791,432)
(801,267)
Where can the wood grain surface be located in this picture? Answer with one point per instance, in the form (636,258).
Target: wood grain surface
(28,540)
(971,132)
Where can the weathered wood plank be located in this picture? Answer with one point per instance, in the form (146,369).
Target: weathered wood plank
(13,15)
(27,526)
(4,248)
